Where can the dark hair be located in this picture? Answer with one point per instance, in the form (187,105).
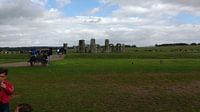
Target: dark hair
(4,70)
(24,108)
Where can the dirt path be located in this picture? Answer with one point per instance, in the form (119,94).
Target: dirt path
(24,64)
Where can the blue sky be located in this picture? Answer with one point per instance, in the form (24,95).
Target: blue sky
(78,8)
(187,18)
(83,7)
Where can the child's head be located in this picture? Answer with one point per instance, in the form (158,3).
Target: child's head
(23,108)
(3,73)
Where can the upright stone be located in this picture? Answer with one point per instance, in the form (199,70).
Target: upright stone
(87,48)
(81,46)
(112,47)
(123,48)
(107,46)
(118,47)
(65,47)
(99,49)
(93,48)
(76,49)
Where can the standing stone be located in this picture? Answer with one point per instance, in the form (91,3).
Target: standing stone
(81,46)
(76,49)
(93,48)
(118,47)
(107,46)
(87,48)
(112,47)
(123,48)
(99,50)
(65,47)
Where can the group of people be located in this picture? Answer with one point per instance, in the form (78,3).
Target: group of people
(35,52)
(6,90)
(61,51)
(42,56)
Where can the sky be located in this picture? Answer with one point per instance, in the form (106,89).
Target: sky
(131,22)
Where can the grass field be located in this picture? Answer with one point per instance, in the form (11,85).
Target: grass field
(10,58)
(174,52)
(110,85)
(149,79)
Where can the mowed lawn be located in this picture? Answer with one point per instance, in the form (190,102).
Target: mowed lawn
(109,85)
(11,58)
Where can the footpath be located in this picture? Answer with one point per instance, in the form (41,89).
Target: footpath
(25,64)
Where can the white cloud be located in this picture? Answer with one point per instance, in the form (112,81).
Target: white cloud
(40,2)
(95,10)
(154,7)
(63,3)
(19,9)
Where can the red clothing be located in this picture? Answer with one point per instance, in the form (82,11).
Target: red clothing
(5,93)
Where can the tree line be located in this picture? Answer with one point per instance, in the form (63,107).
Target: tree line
(177,44)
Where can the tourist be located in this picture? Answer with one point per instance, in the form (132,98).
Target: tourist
(6,90)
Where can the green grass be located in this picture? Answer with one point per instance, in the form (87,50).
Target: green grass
(174,52)
(137,55)
(14,56)
(128,65)
(10,58)
(151,79)
(2,61)
(109,85)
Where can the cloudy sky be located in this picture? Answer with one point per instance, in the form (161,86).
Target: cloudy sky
(135,22)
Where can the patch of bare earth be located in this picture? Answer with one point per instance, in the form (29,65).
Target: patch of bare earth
(149,89)
(110,83)
(192,88)
(178,87)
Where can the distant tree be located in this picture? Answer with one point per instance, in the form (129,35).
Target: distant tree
(194,44)
(127,46)
(133,46)
(156,45)
(174,44)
